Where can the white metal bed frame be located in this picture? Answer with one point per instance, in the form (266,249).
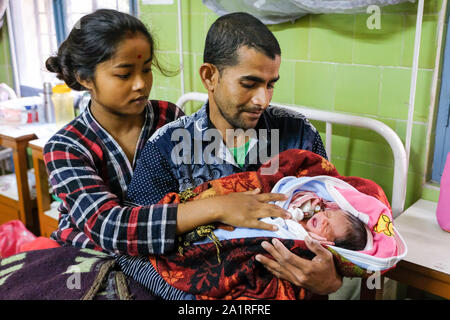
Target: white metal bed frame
(397,147)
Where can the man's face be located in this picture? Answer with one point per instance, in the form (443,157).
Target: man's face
(245,90)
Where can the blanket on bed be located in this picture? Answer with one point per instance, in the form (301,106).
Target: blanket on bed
(228,269)
(66,273)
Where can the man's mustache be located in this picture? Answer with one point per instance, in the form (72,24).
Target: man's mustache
(253,110)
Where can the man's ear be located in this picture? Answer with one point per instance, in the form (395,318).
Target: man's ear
(209,75)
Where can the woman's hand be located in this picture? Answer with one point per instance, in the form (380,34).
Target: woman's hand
(317,275)
(240,209)
(244,209)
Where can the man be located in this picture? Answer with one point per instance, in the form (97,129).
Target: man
(241,63)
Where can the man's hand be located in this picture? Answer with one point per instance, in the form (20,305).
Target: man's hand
(321,239)
(317,275)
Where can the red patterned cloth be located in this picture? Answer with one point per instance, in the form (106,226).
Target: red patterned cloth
(238,275)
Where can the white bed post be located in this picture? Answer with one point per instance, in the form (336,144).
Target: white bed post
(415,67)
(180,45)
(328,138)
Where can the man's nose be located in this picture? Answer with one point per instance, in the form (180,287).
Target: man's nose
(261,98)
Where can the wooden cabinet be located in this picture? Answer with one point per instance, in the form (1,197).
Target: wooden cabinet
(47,223)
(24,208)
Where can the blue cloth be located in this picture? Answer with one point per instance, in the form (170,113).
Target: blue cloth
(318,187)
(158,172)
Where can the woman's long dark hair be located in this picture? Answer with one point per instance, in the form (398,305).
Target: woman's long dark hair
(94,39)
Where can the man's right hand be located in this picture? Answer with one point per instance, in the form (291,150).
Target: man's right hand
(318,275)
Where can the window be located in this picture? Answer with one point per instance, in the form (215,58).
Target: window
(39,26)
(442,141)
(73,10)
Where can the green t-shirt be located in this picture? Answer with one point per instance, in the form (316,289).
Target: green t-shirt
(239,153)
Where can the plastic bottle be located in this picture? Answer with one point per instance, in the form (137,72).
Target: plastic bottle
(443,207)
(63,103)
(49,111)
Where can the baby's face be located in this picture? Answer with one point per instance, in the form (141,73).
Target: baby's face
(330,224)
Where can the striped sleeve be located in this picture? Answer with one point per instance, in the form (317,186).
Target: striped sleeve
(96,211)
(164,112)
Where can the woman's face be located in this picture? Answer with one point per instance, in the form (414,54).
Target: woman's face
(330,224)
(122,84)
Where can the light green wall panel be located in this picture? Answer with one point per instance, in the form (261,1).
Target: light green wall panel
(331,62)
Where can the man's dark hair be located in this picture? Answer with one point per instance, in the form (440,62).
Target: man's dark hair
(233,31)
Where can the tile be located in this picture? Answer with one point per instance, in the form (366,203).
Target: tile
(359,169)
(418,145)
(340,145)
(357,89)
(320,126)
(428,41)
(284,88)
(194,33)
(210,18)
(189,71)
(370,151)
(163,27)
(414,189)
(379,46)
(384,176)
(6,75)
(166,94)
(341,164)
(430,6)
(315,85)
(331,37)
(395,92)
(154,8)
(169,61)
(430,194)
(423,95)
(197,81)
(293,38)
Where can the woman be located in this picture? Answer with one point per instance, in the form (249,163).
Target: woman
(90,161)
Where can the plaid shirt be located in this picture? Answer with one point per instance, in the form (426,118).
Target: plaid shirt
(89,172)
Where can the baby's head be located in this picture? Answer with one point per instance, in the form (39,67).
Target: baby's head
(340,227)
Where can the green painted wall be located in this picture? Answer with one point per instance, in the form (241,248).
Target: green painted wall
(330,62)
(5,58)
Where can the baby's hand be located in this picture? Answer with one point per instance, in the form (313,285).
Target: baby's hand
(321,239)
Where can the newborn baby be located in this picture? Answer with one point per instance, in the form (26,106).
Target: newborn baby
(321,219)
(326,222)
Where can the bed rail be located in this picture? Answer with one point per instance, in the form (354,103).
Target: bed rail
(329,117)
